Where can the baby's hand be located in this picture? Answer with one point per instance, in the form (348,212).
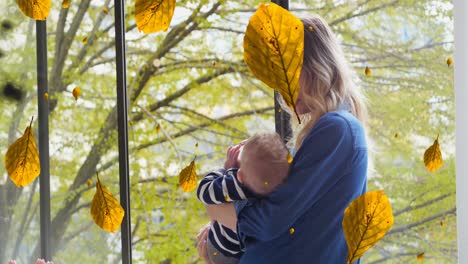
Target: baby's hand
(232,156)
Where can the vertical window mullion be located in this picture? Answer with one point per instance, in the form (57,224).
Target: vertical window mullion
(123,130)
(43,137)
(282,126)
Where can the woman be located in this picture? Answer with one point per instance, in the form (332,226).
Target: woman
(301,221)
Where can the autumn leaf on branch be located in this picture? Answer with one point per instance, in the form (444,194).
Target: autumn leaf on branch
(106,211)
(35,9)
(22,159)
(188,177)
(153,15)
(65,3)
(274,48)
(366,220)
(367,71)
(433,156)
(420,256)
(76,93)
(449,61)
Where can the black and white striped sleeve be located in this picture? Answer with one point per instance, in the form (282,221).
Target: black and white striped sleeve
(221,186)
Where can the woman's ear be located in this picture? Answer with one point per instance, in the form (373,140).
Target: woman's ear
(240,176)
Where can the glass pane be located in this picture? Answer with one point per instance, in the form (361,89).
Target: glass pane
(406,46)
(186,111)
(83,137)
(192,97)
(19,207)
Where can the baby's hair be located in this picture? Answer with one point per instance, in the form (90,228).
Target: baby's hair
(265,157)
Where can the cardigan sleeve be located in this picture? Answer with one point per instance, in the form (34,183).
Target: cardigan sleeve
(324,157)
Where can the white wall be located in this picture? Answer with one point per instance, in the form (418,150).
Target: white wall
(461,121)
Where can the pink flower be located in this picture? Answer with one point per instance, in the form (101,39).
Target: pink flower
(12,261)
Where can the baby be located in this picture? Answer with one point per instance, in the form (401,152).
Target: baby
(253,168)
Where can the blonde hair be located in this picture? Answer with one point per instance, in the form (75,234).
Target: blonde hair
(264,157)
(326,80)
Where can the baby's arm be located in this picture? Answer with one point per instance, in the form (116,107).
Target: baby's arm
(221,186)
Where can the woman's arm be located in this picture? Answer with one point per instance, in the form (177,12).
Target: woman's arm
(223,213)
(323,159)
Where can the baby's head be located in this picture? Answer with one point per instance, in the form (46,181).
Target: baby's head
(263,163)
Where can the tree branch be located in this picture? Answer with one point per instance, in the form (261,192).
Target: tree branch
(365,12)
(421,222)
(419,206)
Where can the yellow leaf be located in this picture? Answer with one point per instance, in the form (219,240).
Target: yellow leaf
(291,230)
(22,159)
(366,220)
(106,211)
(442,223)
(65,3)
(449,61)
(311,28)
(153,15)
(188,177)
(196,145)
(396,135)
(46,96)
(90,182)
(105,10)
(433,156)
(367,71)
(290,158)
(274,48)
(85,40)
(35,9)
(158,128)
(420,256)
(76,93)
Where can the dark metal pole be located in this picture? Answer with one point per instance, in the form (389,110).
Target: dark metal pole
(281,117)
(43,110)
(123,130)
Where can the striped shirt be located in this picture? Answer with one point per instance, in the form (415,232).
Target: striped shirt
(219,187)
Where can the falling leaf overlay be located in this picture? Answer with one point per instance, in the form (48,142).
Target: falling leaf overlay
(153,15)
(449,61)
(367,71)
(76,93)
(188,177)
(105,10)
(106,211)
(274,48)
(65,3)
(420,256)
(366,220)
(22,159)
(433,156)
(289,158)
(46,96)
(35,9)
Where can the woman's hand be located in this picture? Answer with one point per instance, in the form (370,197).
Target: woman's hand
(202,243)
(232,156)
